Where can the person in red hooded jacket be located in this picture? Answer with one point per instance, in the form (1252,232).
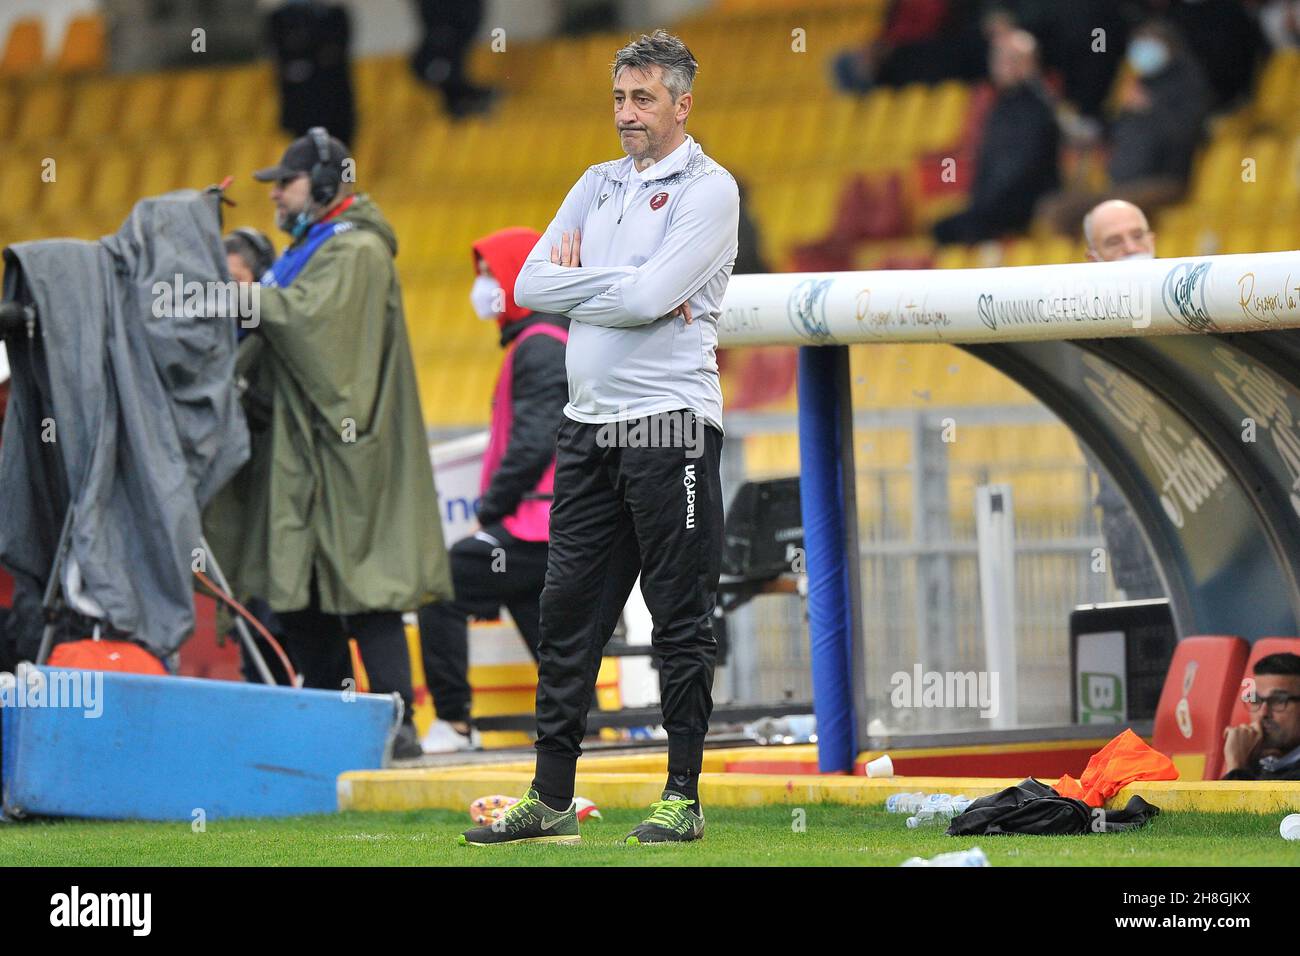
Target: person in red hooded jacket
(504,561)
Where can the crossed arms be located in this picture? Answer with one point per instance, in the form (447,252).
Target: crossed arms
(699,241)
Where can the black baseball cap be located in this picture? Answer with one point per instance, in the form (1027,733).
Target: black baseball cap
(300,157)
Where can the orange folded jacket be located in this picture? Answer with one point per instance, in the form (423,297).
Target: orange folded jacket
(1125,759)
(105,655)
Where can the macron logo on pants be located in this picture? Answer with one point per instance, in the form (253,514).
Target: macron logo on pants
(689,481)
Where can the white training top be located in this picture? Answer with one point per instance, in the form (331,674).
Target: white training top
(646,249)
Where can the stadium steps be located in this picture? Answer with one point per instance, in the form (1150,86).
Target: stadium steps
(446,184)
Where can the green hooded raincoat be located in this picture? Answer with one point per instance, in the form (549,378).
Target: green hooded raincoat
(339,481)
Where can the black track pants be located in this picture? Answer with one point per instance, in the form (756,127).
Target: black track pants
(623,508)
(317,644)
(489,568)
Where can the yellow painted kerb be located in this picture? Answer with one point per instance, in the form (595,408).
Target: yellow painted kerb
(454,788)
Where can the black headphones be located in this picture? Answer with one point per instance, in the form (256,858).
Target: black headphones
(325,178)
(263,251)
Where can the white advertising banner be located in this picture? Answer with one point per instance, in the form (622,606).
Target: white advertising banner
(1241,293)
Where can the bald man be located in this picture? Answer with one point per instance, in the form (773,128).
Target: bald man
(1115,230)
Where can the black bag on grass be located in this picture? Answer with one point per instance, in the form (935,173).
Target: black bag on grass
(1035,808)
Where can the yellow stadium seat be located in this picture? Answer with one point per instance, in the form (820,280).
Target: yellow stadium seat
(189,110)
(387,92)
(1287,184)
(1239,238)
(1280,236)
(911,116)
(1264,175)
(1176,242)
(8,109)
(245,100)
(66,195)
(84,47)
(205,165)
(877,121)
(841,135)
(144,102)
(113,189)
(952,257)
(95,105)
(1275,94)
(1020,252)
(160,170)
(21,182)
(42,112)
(1182,216)
(1218,172)
(24,50)
(371,155)
(1061,249)
(945,116)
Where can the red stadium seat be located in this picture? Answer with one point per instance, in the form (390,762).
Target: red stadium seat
(871,209)
(1200,690)
(1261,648)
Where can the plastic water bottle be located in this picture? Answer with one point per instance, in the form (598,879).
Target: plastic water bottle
(938,807)
(904,802)
(795,729)
(972,857)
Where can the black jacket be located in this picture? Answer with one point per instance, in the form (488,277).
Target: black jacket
(1289,770)
(539,390)
(312,68)
(1160,142)
(1034,807)
(1017,159)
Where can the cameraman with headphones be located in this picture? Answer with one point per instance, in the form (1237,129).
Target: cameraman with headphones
(334,519)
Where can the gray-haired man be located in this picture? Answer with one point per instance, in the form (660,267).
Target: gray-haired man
(638,257)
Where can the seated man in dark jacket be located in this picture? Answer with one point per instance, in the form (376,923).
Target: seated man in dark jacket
(504,561)
(1154,137)
(1016,162)
(1162,112)
(1267,748)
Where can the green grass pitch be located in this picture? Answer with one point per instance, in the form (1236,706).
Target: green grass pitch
(831,835)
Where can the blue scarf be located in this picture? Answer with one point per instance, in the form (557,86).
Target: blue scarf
(285,269)
(294,259)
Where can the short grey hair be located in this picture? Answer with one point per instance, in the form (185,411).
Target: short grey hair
(664,50)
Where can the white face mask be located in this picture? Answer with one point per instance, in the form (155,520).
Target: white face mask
(487,297)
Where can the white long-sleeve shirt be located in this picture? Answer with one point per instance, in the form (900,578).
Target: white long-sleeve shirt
(671,241)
